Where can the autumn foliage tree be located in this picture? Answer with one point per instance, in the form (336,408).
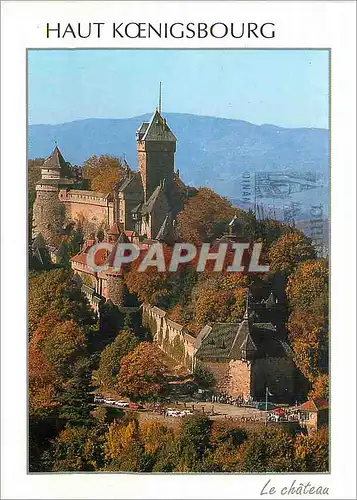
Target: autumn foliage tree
(307,292)
(312,451)
(142,373)
(103,172)
(204,217)
(321,386)
(42,379)
(151,285)
(308,286)
(54,291)
(75,449)
(219,297)
(123,448)
(288,251)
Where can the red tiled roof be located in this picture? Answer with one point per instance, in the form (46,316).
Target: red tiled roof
(315,404)
(100,257)
(81,258)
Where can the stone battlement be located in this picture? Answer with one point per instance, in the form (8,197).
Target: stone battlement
(172,338)
(85,197)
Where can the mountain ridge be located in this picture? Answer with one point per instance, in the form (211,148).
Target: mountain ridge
(211,151)
(144,116)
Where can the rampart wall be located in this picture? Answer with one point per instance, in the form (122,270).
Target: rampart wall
(172,338)
(95,208)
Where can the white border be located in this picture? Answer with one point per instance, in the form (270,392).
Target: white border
(298,24)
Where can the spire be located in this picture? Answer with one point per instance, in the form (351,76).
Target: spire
(55,160)
(160,98)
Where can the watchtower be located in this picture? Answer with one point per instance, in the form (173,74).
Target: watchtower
(156,146)
(48,211)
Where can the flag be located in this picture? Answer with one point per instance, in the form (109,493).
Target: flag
(268,392)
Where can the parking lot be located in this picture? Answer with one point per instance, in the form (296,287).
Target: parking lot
(171,411)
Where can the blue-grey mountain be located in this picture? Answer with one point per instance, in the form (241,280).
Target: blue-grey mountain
(213,152)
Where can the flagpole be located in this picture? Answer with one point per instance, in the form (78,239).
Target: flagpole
(266,398)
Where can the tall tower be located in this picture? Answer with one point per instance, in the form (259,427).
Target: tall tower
(48,211)
(156,146)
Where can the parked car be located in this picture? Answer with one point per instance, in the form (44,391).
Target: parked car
(186,412)
(274,417)
(109,401)
(173,413)
(135,406)
(98,398)
(121,404)
(280,412)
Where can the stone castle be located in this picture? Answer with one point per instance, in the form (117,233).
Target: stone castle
(245,357)
(144,202)
(141,208)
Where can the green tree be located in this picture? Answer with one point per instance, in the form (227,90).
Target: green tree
(54,290)
(76,395)
(194,442)
(63,345)
(110,359)
(204,377)
(270,451)
(76,449)
(69,247)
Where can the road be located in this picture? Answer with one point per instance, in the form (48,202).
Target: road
(220,410)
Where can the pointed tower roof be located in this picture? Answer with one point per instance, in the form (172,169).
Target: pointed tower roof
(271,301)
(55,160)
(157,129)
(243,346)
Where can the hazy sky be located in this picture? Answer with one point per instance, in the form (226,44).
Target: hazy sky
(287,88)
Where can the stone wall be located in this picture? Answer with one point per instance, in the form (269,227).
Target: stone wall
(221,375)
(233,377)
(240,372)
(93,208)
(48,215)
(172,338)
(116,289)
